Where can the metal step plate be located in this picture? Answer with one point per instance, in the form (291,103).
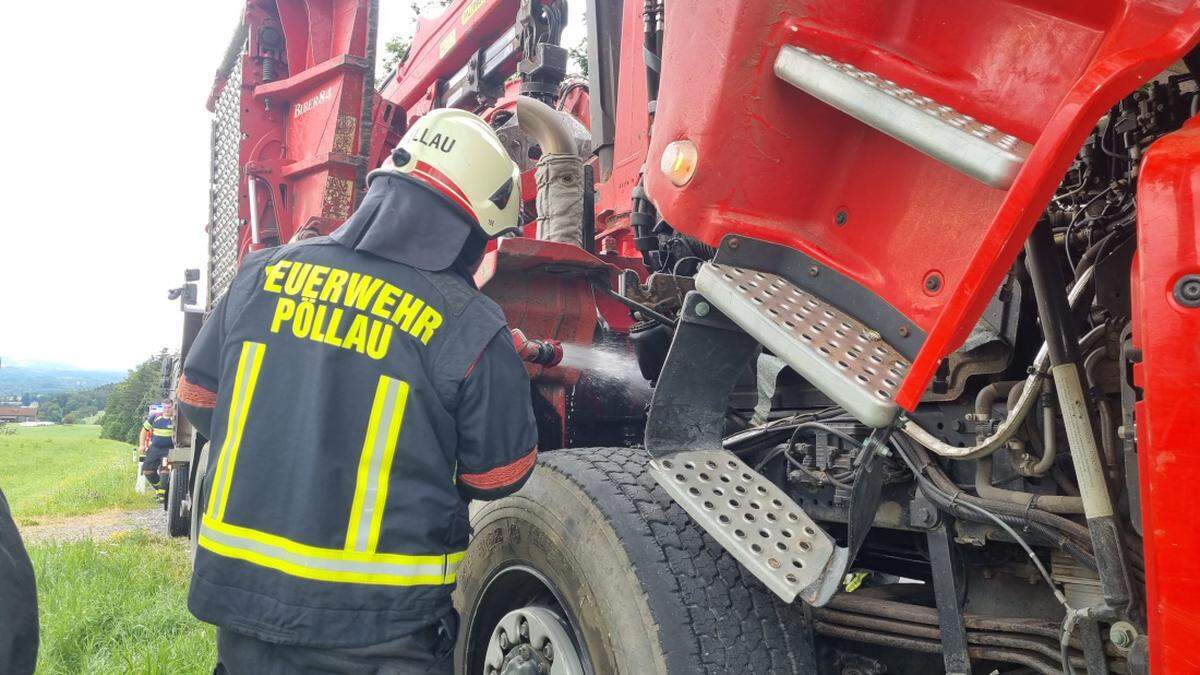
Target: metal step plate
(976,149)
(755,521)
(848,361)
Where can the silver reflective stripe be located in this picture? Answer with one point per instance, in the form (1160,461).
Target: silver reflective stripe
(237,417)
(378,449)
(335,565)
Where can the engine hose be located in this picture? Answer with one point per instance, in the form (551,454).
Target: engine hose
(1022,516)
(983,466)
(1044,443)
(987,396)
(1050,438)
(1091,364)
(1093,252)
(1029,394)
(642,219)
(1048,535)
(1051,503)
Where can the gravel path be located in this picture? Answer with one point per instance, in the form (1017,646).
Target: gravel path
(97,526)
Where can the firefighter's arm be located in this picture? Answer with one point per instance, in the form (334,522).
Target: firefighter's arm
(497,434)
(199,383)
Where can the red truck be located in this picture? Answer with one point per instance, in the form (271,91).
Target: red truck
(881,320)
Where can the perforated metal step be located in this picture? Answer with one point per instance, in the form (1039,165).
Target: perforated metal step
(847,360)
(974,148)
(756,522)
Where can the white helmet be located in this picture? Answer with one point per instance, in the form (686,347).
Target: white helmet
(459,155)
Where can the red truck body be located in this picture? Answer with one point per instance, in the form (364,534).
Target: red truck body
(781,166)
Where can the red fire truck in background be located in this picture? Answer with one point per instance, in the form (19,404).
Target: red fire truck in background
(881,320)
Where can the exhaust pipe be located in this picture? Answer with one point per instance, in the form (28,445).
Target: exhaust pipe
(559,172)
(546,126)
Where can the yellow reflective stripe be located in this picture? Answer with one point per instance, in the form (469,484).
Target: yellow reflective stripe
(230,428)
(325,564)
(249,364)
(383,477)
(364,466)
(163,432)
(326,553)
(375,465)
(257,351)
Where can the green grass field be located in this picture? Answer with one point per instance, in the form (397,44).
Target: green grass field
(49,472)
(112,606)
(119,606)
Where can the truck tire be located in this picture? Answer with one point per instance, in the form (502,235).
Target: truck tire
(198,492)
(639,587)
(178,519)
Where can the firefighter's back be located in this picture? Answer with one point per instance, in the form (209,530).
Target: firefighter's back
(331,515)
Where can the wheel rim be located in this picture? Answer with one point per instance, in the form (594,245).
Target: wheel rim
(522,626)
(531,641)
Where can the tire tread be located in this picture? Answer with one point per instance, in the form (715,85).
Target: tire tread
(711,614)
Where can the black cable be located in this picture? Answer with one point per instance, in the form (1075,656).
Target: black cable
(635,305)
(772,433)
(948,495)
(830,430)
(1069,621)
(1075,216)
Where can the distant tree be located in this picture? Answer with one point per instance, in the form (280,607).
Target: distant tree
(578,56)
(129,400)
(395,51)
(50,411)
(396,48)
(82,404)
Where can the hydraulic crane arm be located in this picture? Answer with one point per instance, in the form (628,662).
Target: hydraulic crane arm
(463,58)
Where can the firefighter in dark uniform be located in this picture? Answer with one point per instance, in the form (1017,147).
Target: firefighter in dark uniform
(159,445)
(18,600)
(358,390)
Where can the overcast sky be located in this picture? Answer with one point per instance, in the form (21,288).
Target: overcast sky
(106,170)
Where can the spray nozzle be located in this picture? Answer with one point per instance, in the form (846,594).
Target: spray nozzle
(540,352)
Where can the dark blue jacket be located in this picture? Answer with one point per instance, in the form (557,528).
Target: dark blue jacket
(356,404)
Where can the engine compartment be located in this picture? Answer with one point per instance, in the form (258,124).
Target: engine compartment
(949,487)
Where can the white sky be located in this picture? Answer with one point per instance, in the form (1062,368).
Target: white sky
(106,170)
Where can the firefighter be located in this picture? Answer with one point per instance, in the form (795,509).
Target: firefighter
(159,433)
(359,390)
(18,600)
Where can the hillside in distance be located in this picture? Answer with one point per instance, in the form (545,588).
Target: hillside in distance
(44,378)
